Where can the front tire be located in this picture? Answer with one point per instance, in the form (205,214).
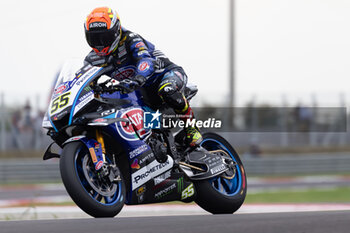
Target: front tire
(97,198)
(219,195)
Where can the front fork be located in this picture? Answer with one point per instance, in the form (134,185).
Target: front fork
(102,167)
(100,140)
(106,170)
(97,149)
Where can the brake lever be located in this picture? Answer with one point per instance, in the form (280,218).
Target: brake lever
(122,88)
(97,89)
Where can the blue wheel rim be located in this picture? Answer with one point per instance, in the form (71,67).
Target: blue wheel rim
(103,200)
(224,186)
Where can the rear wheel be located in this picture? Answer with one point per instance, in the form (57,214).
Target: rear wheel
(97,196)
(220,195)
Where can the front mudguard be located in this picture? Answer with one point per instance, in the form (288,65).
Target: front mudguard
(92,145)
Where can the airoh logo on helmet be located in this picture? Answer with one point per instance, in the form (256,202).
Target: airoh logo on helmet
(98,25)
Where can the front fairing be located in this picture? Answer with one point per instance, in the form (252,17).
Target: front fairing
(71,93)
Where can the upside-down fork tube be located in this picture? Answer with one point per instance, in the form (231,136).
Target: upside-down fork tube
(94,147)
(99,138)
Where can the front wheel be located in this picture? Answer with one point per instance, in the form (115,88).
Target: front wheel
(97,196)
(220,195)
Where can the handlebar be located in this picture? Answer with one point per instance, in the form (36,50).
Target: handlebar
(102,88)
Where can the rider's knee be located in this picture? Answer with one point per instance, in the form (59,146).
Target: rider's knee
(172,96)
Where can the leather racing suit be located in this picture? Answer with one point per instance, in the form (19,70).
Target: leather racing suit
(137,57)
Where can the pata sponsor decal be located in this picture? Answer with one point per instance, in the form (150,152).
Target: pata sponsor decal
(135,116)
(60,89)
(125,129)
(150,171)
(143,66)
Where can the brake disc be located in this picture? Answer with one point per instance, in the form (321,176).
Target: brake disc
(101,186)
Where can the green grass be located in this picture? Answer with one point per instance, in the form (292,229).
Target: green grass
(337,195)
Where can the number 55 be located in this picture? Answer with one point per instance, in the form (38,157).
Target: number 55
(60,102)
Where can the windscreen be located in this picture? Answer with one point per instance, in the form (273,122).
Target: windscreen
(68,70)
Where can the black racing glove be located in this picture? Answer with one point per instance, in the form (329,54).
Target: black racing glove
(130,85)
(140,80)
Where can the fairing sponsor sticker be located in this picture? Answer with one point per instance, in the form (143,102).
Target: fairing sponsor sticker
(126,129)
(150,171)
(82,101)
(162,177)
(165,191)
(139,150)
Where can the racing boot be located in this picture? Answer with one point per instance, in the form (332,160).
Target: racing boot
(175,99)
(193,136)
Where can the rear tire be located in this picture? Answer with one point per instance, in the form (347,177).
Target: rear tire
(219,195)
(81,191)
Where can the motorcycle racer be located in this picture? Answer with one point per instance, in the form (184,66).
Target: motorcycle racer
(138,64)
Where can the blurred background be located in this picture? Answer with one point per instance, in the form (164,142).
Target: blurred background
(290,58)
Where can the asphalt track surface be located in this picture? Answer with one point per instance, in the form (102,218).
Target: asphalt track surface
(310,222)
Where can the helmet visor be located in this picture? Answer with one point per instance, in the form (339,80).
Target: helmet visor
(98,39)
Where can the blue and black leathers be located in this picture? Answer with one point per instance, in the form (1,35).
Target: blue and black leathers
(138,60)
(135,57)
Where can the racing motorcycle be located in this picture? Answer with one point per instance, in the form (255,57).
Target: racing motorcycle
(109,156)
